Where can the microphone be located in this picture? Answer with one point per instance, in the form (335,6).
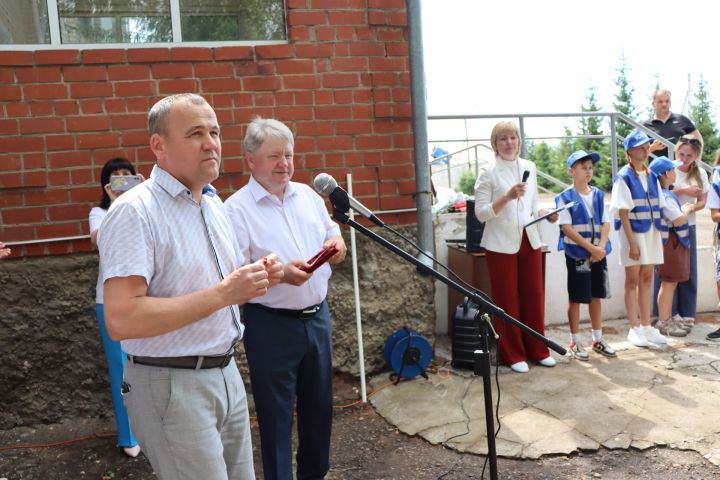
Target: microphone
(327,186)
(526,174)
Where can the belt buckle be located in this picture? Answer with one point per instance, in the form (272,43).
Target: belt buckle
(309,312)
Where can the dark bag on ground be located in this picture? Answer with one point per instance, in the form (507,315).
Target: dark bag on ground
(676,266)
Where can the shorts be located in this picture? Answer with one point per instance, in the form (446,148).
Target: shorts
(586,280)
(717,264)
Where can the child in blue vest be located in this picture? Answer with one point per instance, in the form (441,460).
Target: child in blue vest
(676,241)
(713,203)
(636,203)
(584,230)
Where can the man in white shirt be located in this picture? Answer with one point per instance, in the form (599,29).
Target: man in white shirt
(173,281)
(288,339)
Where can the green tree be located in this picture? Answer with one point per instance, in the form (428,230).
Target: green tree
(592,127)
(702,116)
(624,102)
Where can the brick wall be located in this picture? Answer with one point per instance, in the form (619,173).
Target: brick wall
(341,84)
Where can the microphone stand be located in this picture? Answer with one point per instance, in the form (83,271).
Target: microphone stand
(484,309)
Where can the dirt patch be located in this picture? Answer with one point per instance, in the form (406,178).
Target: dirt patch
(365,447)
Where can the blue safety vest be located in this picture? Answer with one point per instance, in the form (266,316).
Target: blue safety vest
(586,225)
(683,231)
(647,204)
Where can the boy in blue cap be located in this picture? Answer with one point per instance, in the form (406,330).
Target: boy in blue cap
(676,243)
(637,204)
(584,230)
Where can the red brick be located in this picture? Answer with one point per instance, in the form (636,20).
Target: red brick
(109,55)
(234,165)
(95,89)
(303,97)
(362,95)
(81,176)
(114,105)
(172,70)
(323,97)
(234,53)
(97,140)
(353,127)
(390,35)
(332,112)
(45,91)
(10,162)
(92,105)
(388,64)
(221,85)
(135,137)
(377,17)
(34,179)
(261,83)
(58,178)
(213,70)
(8,127)
(397,172)
(295,17)
(294,113)
(16,58)
(10,92)
(373,142)
(284,98)
(88,123)
(138,104)
(168,87)
(335,143)
(148,55)
(82,194)
(59,230)
(363,189)
(345,17)
(34,161)
(221,100)
(296,4)
(350,64)
(264,52)
(38,74)
(362,111)
(343,96)
(304,82)
(60,160)
(46,197)
(41,109)
(84,74)
(397,18)
(313,50)
(398,49)
(264,99)
(299,33)
(128,72)
(60,142)
(57,57)
(284,67)
(367,49)
(338,80)
(403,141)
(66,107)
(41,125)
(67,212)
(135,89)
(11,180)
(10,199)
(130,121)
(314,129)
(398,157)
(27,215)
(191,54)
(401,95)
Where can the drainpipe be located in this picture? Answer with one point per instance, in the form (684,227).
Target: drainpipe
(423,199)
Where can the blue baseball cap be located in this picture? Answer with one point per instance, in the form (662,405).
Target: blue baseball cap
(662,164)
(635,139)
(582,155)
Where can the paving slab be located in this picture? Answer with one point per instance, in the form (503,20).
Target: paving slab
(646,397)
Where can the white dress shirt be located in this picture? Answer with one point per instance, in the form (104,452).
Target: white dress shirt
(503,231)
(97,215)
(295,229)
(158,231)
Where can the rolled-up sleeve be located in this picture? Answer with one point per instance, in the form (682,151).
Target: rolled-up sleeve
(484,196)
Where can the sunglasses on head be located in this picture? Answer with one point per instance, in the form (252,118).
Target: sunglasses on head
(692,141)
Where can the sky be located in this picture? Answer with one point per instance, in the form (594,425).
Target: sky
(494,57)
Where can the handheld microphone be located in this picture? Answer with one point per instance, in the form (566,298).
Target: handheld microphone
(526,174)
(326,185)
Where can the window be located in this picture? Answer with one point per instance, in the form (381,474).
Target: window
(140,22)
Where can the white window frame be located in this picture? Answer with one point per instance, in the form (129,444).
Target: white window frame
(54,20)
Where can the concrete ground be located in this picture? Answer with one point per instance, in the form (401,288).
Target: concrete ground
(657,396)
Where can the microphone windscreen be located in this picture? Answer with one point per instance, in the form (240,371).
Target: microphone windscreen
(526,174)
(324,184)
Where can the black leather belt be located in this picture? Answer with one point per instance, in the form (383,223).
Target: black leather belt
(194,363)
(304,313)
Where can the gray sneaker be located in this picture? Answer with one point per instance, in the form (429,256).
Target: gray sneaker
(578,351)
(603,348)
(671,327)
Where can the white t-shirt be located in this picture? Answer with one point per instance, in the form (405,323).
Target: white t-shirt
(566,219)
(97,215)
(672,210)
(682,181)
(650,242)
(713,201)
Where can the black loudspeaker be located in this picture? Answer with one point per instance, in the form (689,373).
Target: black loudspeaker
(465,336)
(473,228)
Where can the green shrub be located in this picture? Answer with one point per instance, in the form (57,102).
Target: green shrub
(466,183)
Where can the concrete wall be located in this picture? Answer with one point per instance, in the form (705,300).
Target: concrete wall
(453,226)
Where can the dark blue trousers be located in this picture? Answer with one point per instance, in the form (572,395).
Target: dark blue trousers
(290,361)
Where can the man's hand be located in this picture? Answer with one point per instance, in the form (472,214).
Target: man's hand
(337,242)
(274,269)
(656,145)
(552,218)
(4,251)
(293,275)
(246,282)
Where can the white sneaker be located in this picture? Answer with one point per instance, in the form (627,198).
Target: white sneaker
(520,367)
(547,362)
(653,335)
(636,336)
(132,451)
(677,318)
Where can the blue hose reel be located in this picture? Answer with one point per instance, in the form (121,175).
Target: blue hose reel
(408,353)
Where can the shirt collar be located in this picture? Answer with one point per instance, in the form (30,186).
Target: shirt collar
(173,186)
(258,191)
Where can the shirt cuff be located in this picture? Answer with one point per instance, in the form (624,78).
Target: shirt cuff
(485,213)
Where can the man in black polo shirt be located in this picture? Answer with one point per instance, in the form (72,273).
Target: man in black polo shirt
(668,125)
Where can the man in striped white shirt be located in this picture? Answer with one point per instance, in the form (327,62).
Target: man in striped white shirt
(173,280)
(288,341)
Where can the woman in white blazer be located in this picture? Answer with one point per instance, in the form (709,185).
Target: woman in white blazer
(506,204)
